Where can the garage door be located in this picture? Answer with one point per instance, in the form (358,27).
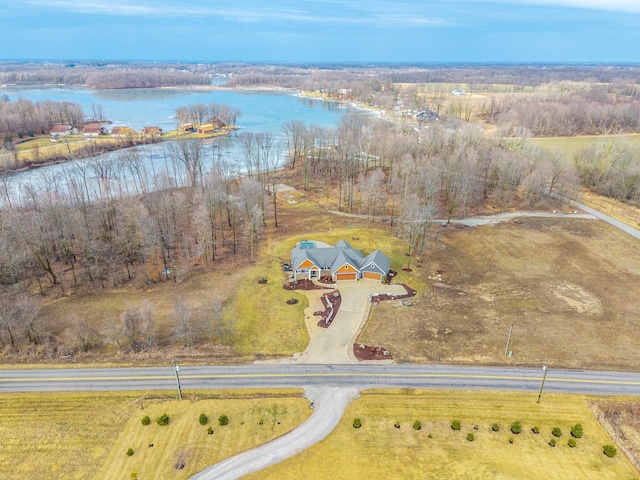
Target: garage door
(346,276)
(373,275)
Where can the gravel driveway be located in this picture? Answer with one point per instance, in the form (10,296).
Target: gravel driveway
(330,404)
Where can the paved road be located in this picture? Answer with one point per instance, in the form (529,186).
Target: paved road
(605,218)
(295,376)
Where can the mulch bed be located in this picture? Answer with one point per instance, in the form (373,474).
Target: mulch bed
(303,285)
(331,302)
(375,299)
(390,275)
(366,352)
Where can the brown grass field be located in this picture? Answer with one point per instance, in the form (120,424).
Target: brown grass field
(86,435)
(569,286)
(379,450)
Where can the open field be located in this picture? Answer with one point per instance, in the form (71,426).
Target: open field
(569,146)
(569,286)
(82,435)
(379,449)
(252,422)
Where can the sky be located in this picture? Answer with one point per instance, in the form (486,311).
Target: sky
(403,31)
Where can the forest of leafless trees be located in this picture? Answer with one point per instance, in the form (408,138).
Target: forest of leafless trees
(101,75)
(26,118)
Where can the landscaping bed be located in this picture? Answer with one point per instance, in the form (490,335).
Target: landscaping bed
(303,285)
(331,302)
(375,299)
(367,352)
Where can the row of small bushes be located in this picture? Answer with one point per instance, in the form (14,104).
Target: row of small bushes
(515,428)
(203,419)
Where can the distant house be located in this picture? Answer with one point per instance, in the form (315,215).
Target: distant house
(122,132)
(63,130)
(186,127)
(206,128)
(312,259)
(93,130)
(458,92)
(427,116)
(152,131)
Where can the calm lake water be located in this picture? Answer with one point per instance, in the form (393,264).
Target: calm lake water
(261,112)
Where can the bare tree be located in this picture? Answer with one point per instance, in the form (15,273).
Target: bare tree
(183,323)
(137,326)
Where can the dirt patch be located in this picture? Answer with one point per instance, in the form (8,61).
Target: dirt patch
(366,352)
(331,302)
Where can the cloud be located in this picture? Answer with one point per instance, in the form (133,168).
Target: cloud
(339,13)
(624,6)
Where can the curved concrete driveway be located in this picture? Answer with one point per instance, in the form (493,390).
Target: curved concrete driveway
(330,404)
(333,345)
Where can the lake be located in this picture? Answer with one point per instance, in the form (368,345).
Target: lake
(261,112)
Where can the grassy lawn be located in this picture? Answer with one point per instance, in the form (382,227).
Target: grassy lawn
(569,286)
(60,435)
(264,322)
(569,146)
(379,448)
(86,435)
(252,422)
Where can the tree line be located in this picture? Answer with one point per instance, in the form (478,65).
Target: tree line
(104,76)
(26,118)
(585,110)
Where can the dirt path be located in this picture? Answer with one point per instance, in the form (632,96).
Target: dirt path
(330,404)
(501,217)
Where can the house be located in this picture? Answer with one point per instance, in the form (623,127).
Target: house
(63,130)
(93,130)
(458,92)
(122,132)
(152,131)
(312,259)
(186,127)
(206,128)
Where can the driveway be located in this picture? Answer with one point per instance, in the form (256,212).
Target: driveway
(333,345)
(330,403)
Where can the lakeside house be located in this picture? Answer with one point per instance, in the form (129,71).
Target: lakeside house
(93,130)
(63,130)
(313,259)
(122,132)
(152,131)
(206,128)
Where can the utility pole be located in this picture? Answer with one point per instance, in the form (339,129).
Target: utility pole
(506,349)
(545,368)
(177,370)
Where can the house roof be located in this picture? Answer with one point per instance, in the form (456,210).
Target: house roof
(92,128)
(332,258)
(61,128)
(121,130)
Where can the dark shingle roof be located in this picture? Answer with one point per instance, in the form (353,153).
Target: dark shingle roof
(335,257)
